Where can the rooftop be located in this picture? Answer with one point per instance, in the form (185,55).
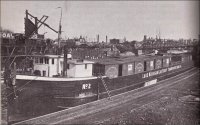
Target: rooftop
(122,60)
(79,62)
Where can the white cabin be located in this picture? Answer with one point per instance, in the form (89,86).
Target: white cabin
(79,68)
(52,65)
(48,65)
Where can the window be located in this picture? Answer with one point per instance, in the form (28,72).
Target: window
(36,60)
(46,61)
(130,67)
(85,66)
(52,61)
(41,60)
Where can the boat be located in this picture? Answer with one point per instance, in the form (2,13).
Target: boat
(46,88)
(56,82)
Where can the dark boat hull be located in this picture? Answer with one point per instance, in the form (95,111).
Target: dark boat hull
(42,97)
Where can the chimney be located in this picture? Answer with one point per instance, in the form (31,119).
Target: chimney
(145,37)
(98,38)
(106,38)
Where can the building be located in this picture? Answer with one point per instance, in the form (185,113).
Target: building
(114,41)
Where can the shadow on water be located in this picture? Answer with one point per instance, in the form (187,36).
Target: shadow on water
(30,108)
(35,107)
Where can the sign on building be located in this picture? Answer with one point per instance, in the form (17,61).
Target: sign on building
(6,35)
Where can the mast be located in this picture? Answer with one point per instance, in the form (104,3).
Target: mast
(60,27)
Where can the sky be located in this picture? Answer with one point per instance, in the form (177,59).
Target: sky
(116,19)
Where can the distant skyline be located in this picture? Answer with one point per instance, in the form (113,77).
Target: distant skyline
(116,19)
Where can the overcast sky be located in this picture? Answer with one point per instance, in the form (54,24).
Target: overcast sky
(117,19)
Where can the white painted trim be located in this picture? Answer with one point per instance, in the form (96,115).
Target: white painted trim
(39,78)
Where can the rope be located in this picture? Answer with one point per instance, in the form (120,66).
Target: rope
(9,55)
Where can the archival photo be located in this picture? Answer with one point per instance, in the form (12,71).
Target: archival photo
(99,62)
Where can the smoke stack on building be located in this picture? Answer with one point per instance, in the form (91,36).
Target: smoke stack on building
(145,37)
(98,38)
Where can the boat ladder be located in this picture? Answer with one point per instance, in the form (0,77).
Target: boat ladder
(105,86)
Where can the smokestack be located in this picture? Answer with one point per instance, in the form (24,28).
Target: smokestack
(145,37)
(106,38)
(98,38)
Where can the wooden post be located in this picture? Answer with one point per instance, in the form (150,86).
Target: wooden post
(65,61)
(25,68)
(36,25)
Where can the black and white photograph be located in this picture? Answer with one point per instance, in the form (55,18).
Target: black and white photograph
(100,62)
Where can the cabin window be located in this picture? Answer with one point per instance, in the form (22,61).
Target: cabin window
(52,61)
(46,61)
(85,66)
(41,60)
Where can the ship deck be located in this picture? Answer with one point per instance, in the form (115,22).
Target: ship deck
(40,78)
